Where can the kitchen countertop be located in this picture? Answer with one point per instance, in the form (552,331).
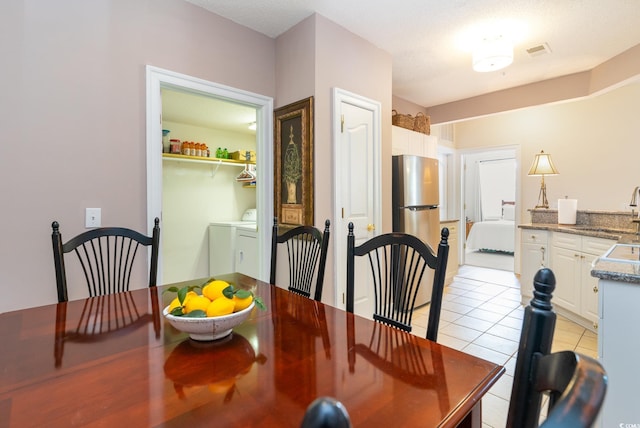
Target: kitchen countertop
(623,271)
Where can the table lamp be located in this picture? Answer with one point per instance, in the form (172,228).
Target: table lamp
(542,165)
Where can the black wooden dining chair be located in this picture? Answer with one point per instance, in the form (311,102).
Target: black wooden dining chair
(307,254)
(106,256)
(576,383)
(399,264)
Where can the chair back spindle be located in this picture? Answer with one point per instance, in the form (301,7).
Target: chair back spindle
(398,264)
(307,251)
(106,256)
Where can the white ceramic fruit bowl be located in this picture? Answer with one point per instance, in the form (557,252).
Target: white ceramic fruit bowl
(210,328)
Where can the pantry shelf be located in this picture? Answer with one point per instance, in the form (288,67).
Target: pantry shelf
(197,159)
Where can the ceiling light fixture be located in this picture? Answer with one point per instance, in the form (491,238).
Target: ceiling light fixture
(493,53)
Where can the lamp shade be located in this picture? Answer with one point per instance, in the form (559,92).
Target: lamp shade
(542,165)
(492,54)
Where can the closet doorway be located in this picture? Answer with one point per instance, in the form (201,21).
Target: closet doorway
(159,79)
(490,207)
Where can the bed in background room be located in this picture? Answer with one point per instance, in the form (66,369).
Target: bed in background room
(494,235)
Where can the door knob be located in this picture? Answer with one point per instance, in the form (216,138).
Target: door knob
(370,227)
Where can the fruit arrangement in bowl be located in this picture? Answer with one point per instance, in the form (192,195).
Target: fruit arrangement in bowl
(210,315)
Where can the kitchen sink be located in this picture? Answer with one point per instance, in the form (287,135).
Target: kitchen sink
(626,253)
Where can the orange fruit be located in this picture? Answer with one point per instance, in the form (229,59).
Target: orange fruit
(220,306)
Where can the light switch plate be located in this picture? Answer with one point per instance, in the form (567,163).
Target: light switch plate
(93,217)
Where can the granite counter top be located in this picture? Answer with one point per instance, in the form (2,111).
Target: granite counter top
(607,269)
(594,231)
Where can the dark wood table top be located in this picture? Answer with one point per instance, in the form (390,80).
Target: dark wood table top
(114,361)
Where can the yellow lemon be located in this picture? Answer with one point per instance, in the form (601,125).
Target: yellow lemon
(174,304)
(220,306)
(213,290)
(241,304)
(196,302)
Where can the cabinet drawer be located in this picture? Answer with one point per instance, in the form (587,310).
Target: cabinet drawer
(534,236)
(596,246)
(567,240)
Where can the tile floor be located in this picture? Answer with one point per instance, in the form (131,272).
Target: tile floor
(482,315)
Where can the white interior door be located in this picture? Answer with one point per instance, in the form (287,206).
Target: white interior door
(357,184)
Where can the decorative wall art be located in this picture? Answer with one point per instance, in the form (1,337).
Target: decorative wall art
(293,170)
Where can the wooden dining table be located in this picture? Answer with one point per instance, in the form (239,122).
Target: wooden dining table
(115,361)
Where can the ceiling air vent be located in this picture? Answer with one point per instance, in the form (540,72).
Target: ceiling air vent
(538,50)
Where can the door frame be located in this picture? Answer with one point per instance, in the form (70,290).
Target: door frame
(157,78)
(340,96)
(463,155)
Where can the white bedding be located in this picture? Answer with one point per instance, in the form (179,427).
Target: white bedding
(493,235)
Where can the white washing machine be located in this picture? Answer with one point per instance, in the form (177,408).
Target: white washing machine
(224,250)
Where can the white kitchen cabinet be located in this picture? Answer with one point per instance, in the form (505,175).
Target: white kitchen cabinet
(453,260)
(247,251)
(407,142)
(618,350)
(534,256)
(576,291)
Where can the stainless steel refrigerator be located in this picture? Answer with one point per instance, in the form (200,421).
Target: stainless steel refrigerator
(416,203)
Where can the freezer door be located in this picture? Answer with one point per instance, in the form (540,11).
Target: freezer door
(415,181)
(425,224)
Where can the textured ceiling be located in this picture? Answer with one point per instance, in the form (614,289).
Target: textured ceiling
(430,40)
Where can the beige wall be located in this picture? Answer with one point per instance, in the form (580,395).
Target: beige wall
(621,68)
(314,57)
(593,142)
(73,115)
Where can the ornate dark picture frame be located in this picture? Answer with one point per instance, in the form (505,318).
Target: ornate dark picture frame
(293,169)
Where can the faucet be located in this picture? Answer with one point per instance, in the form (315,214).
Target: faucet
(634,204)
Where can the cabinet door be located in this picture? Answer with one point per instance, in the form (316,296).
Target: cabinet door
(533,258)
(247,253)
(399,141)
(416,143)
(589,292)
(566,268)
(452,261)
(430,146)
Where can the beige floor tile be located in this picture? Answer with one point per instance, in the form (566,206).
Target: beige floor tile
(498,344)
(463,285)
(563,324)
(474,294)
(567,337)
(510,365)
(588,343)
(502,387)
(494,411)
(515,323)
(557,346)
(593,353)
(505,332)
(474,323)
(486,353)
(503,301)
(460,332)
(468,301)
(451,342)
(457,307)
(498,309)
(485,315)
(449,316)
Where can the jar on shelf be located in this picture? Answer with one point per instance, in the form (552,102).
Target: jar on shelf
(219,153)
(175,146)
(225,153)
(199,149)
(192,149)
(166,143)
(185,148)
